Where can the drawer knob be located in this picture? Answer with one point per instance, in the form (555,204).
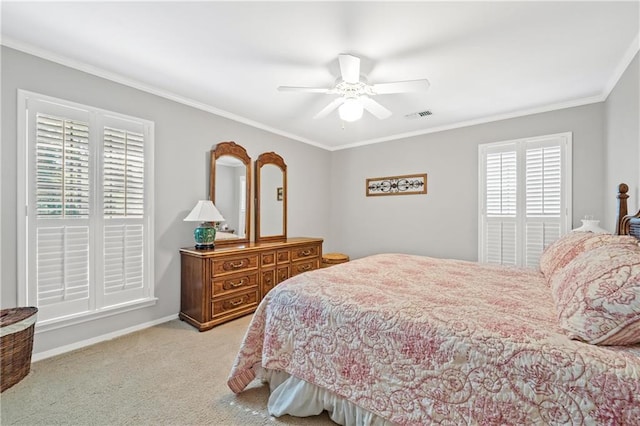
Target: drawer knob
(304,253)
(235,284)
(234,303)
(234,265)
(304,268)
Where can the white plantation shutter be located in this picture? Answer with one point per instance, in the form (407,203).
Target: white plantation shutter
(544,207)
(124,195)
(62,208)
(123,173)
(62,167)
(62,266)
(501,242)
(543,181)
(501,184)
(501,199)
(538,235)
(525,198)
(123,257)
(59,205)
(86,188)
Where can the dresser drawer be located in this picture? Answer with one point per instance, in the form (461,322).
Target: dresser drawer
(238,302)
(267,281)
(284,256)
(304,266)
(217,286)
(304,252)
(282,273)
(268,258)
(222,286)
(234,264)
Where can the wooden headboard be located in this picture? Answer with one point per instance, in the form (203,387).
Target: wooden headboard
(627,224)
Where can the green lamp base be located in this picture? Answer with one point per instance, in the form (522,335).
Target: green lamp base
(205,236)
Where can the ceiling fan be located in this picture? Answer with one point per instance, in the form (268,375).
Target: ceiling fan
(355,92)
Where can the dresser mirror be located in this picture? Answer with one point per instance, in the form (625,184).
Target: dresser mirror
(230,189)
(271,198)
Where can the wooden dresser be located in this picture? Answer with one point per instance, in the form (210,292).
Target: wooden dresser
(229,282)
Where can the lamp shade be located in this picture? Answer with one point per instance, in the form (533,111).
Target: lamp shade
(350,110)
(204,211)
(590,225)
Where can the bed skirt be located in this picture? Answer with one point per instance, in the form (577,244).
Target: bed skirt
(295,397)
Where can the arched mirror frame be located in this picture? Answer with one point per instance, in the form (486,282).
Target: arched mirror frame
(232,149)
(275,159)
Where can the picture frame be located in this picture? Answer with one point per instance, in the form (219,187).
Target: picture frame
(397,185)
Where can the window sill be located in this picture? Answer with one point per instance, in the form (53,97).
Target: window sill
(48,325)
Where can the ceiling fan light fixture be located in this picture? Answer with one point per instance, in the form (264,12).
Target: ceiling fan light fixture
(355,92)
(351,110)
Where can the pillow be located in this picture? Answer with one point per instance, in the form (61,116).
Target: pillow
(597,295)
(562,251)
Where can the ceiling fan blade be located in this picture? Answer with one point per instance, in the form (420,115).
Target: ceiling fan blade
(401,87)
(374,108)
(304,89)
(349,68)
(329,108)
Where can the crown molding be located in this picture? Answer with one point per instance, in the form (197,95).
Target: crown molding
(628,56)
(630,53)
(481,120)
(135,84)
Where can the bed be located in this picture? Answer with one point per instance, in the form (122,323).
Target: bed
(412,340)
(223,235)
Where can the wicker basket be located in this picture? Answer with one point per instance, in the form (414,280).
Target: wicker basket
(16,327)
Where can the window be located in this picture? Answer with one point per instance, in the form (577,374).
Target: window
(85,184)
(525,198)
(242,211)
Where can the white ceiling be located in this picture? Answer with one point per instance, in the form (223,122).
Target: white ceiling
(485,60)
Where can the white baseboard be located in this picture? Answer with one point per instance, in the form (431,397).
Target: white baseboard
(78,345)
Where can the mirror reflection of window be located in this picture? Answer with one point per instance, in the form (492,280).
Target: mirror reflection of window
(242,215)
(271,205)
(231,194)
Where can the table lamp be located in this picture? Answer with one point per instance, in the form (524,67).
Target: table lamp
(206,213)
(591,225)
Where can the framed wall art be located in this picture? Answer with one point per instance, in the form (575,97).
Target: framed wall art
(397,185)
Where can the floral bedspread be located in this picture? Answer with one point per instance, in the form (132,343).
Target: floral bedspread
(419,340)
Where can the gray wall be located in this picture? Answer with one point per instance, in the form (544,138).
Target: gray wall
(183,137)
(444,223)
(622,140)
(606,151)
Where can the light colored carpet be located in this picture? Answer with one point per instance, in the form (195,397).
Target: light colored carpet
(169,374)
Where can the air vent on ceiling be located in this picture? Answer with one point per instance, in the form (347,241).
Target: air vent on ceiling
(418,115)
